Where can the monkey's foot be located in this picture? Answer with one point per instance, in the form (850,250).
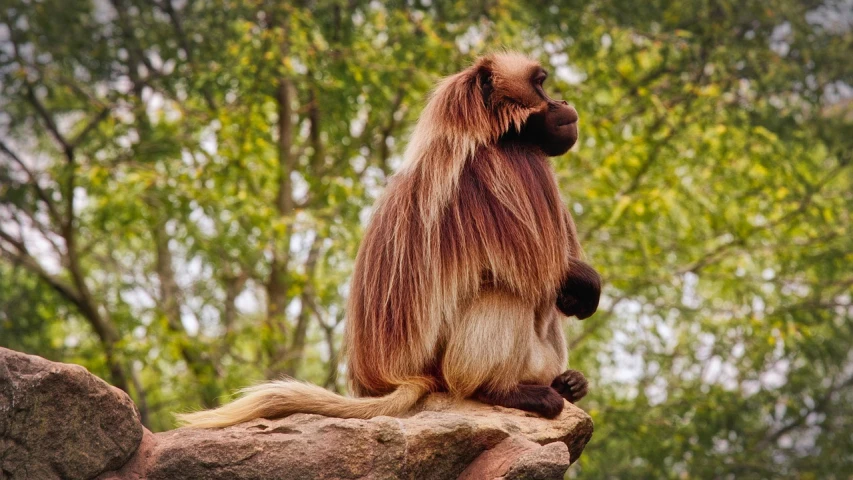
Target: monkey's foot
(571,385)
(540,399)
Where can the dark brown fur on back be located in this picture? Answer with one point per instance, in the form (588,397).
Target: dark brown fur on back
(503,225)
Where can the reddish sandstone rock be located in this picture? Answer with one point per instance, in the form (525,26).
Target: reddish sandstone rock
(58,421)
(444,440)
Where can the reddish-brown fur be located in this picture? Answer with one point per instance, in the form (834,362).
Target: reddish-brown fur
(456,282)
(504,226)
(469,212)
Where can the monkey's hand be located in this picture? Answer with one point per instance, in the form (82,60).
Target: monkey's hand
(571,385)
(580,291)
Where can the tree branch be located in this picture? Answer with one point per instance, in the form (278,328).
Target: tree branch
(177,25)
(89,127)
(33,181)
(22,258)
(48,120)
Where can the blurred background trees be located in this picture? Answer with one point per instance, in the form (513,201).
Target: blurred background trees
(183,186)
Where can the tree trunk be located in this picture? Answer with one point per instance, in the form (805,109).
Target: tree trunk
(277,284)
(199,364)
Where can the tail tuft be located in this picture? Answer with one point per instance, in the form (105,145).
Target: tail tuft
(285,397)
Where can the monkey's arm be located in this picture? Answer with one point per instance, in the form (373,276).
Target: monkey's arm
(578,294)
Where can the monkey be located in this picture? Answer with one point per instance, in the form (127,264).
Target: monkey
(467,265)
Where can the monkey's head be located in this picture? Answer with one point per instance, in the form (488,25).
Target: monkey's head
(499,98)
(512,89)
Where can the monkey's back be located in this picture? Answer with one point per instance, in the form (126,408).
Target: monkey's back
(504,225)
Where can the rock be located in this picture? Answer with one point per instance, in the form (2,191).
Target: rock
(573,427)
(550,461)
(137,467)
(440,439)
(444,439)
(301,446)
(495,462)
(58,421)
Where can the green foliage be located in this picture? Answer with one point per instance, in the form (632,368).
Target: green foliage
(170,170)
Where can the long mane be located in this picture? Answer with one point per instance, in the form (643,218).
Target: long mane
(465,212)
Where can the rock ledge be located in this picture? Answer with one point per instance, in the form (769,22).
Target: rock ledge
(59,421)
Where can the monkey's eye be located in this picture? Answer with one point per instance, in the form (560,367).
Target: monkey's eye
(540,77)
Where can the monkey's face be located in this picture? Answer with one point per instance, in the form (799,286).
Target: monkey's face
(554,129)
(510,84)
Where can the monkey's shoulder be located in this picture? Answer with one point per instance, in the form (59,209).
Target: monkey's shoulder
(510,173)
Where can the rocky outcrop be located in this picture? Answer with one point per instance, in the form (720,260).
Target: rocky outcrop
(58,421)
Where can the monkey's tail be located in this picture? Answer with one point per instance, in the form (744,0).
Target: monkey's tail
(280,398)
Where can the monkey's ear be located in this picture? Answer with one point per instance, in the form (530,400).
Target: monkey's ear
(484,81)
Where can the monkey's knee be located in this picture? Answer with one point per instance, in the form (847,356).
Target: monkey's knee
(580,291)
(571,385)
(540,399)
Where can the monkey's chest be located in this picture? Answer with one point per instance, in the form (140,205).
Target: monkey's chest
(510,226)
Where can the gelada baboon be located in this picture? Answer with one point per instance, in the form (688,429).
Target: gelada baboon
(466,265)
